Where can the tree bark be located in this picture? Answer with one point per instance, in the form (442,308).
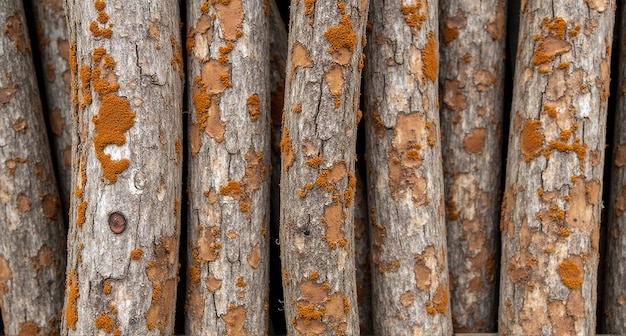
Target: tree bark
(405,184)
(227,288)
(54,49)
(362,257)
(126,63)
(32,243)
(472,82)
(614,286)
(318,153)
(551,208)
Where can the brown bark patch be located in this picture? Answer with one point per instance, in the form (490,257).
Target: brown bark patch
(207,243)
(153,30)
(474,140)
(23,203)
(7,92)
(15,31)
(333,219)
(44,256)
(334,79)
(5,270)
(531,140)
(254,258)
(495,26)
(453,97)
(421,271)
(407,298)
(158,270)
(430,64)
(254,107)
(57,123)
(336,308)
(578,214)
(215,77)
(620,203)
(593,190)
(49,205)
(254,173)
(620,155)
(194,139)
(548,48)
(598,5)
(299,58)
(212,283)
(287,150)
(306,327)
(449,33)
(312,291)
(234,320)
(483,80)
(576,304)
(571,273)
(19,125)
(230,15)
(28,328)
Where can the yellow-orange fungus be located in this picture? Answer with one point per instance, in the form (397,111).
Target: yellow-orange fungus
(412,15)
(71,311)
(430,63)
(113,119)
(104,321)
(571,273)
(341,35)
(531,139)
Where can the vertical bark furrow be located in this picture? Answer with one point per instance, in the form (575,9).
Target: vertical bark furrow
(551,210)
(228,75)
(32,243)
(54,48)
(318,152)
(472,83)
(362,257)
(615,286)
(126,64)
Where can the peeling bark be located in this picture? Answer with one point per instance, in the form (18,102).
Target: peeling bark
(32,243)
(615,286)
(551,210)
(405,184)
(318,151)
(126,63)
(54,48)
(227,288)
(472,82)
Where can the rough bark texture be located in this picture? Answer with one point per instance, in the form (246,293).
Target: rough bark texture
(362,257)
(32,244)
(405,184)
(472,82)
(318,153)
(615,286)
(54,49)
(227,288)
(551,208)
(127,74)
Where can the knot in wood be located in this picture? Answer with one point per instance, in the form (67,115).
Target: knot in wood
(117,222)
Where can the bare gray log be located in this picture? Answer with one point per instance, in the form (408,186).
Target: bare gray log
(472,82)
(32,243)
(405,184)
(615,286)
(227,288)
(54,49)
(126,63)
(551,210)
(318,153)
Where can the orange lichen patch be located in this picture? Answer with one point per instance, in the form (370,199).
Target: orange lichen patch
(104,321)
(15,31)
(548,48)
(430,64)
(240,282)
(333,220)
(288,155)
(576,147)
(84,93)
(254,107)
(100,32)
(234,320)
(23,203)
(113,119)
(334,79)
(80,217)
(106,287)
(212,283)
(232,188)
(308,312)
(439,303)
(159,272)
(474,140)
(550,110)
(208,115)
(414,15)
(531,140)
(7,92)
(314,161)
(341,35)
(571,273)
(177,57)
(136,253)
(194,273)
(254,258)
(557,25)
(230,15)
(407,298)
(71,311)
(449,33)
(348,194)
(563,65)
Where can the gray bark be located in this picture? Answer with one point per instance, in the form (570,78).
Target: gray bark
(227,288)
(405,184)
(32,243)
(472,82)
(126,63)
(318,153)
(551,210)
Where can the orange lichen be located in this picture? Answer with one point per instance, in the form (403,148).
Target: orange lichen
(412,15)
(104,321)
(136,253)
(341,35)
(308,312)
(449,33)
(574,31)
(254,107)
(84,94)
(531,139)
(430,63)
(557,25)
(576,147)
(80,217)
(571,273)
(71,311)
(563,65)
(564,232)
(232,188)
(240,282)
(224,51)
(234,320)
(99,32)
(106,287)
(204,7)
(314,161)
(288,155)
(297,109)
(550,110)
(348,194)
(15,31)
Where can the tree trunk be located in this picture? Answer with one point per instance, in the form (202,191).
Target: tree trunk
(318,153)
(227,288)
(472,81)
(615,287)
(405,184)
(126,63)
(551,208)
(362,257)
(54,48)
(32,243)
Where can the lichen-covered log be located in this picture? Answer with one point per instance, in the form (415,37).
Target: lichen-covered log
(405,184)
(362,257)
(227,287)
(127,70)
(472,82)
(615,286)
(551,209)
(54,49)
(32,243)
(318,152)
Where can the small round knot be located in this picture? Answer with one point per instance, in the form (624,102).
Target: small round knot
(117,222)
